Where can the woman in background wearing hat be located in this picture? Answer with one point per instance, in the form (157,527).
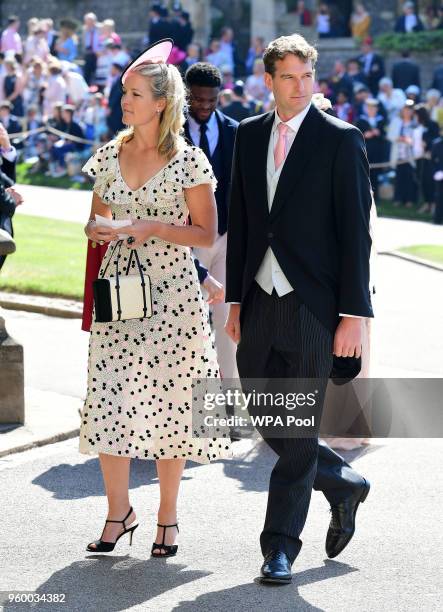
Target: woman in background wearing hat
(372,124)
(401,135)
(413,93)
(140,371)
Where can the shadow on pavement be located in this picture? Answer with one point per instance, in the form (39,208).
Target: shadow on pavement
(253,468)
(113,583)
(110,583)
(353,455)
(257,596)
(82,480)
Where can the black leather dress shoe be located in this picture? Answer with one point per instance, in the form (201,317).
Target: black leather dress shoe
(276,568)
(342,525)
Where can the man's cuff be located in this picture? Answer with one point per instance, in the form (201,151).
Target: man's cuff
(9,154)
(203,274)
(351,316)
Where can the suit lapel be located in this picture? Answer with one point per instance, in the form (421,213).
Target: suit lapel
(258,158)
(221,131)
(187,132)
(302,149)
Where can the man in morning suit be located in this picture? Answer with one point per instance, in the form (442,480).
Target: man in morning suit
(373,65)
(298,281)
(405,72)
(214,132)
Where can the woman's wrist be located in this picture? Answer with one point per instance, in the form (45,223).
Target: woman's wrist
(158,228)
(150,228)
(88,226)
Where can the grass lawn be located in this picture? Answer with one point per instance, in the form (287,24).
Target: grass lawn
(50,258)
(432,252)
(386,208)
(41,180)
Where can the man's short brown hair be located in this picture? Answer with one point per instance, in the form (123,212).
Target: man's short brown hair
(279,48)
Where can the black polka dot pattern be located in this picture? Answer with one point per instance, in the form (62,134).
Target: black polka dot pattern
(141,372)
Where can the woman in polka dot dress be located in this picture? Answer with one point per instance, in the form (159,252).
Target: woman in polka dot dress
(140,371)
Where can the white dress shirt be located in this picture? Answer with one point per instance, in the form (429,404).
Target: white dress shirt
(270,274)
(211,132)
(368,59)
(9,154)
(410,22)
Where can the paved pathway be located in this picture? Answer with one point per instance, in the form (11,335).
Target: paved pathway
(74,205)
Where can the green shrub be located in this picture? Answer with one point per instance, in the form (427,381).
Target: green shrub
(418,42)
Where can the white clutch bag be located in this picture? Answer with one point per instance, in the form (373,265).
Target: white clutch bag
(123,296)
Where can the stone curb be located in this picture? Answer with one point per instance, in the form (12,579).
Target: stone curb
(64,435)
(411,258)
(53,307)
(50,417)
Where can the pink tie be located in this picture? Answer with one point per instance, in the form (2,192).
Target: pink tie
(280,147)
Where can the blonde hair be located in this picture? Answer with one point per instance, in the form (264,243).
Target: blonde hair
(279,48)
(165,82)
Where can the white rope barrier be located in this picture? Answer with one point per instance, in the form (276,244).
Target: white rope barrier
(49,128)
(23,135)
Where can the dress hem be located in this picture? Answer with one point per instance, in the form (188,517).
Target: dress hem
(150,457)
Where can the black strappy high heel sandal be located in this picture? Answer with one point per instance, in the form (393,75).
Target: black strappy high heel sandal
(102,546)
(169,549)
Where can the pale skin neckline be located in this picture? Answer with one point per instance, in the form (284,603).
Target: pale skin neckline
(150,178)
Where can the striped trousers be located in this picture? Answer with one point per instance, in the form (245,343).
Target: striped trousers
(281,338)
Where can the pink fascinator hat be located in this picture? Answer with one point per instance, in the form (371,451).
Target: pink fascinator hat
(157,53)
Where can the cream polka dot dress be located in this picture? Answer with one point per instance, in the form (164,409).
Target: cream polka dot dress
(141,371)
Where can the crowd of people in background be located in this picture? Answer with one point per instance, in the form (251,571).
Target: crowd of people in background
(62,80)
(68,80)
(330,22)
(399,118)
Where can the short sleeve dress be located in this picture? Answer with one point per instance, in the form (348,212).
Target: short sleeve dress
(141,371)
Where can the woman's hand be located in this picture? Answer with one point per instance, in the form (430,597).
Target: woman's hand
(216,291)
(99,233)
(140,231)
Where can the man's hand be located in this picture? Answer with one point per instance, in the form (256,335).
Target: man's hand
(18,199)
(232,327)
(215,290)
(347,339)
